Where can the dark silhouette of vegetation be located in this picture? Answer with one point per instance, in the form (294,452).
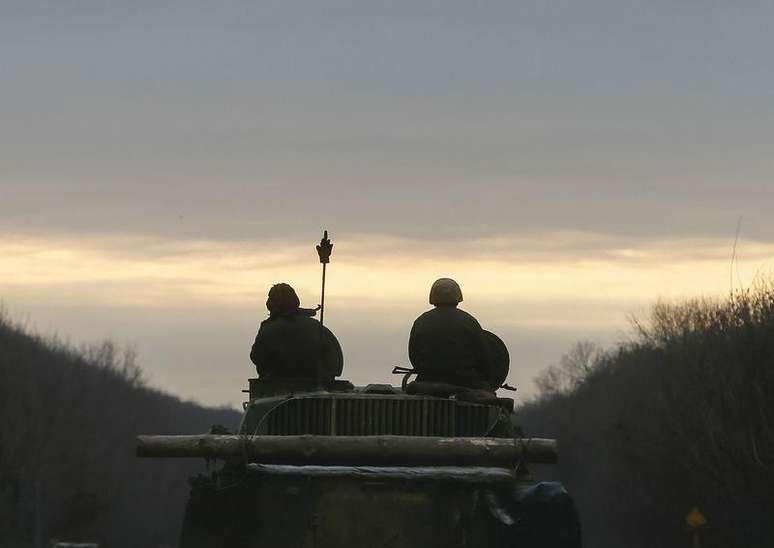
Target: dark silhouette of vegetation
(67,464)
(680,416)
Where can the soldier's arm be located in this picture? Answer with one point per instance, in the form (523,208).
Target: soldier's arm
(258,352)
(413,345)
(254,352)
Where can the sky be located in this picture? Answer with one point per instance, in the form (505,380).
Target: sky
(569,163)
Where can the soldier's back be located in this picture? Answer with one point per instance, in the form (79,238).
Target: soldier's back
(288,347)
(446,344)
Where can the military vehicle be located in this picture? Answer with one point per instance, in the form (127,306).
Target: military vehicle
(370,466)
(324,465)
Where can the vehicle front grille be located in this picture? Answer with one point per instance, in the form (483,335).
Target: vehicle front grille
(373,415)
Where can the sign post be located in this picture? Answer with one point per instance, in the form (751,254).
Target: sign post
(695,520)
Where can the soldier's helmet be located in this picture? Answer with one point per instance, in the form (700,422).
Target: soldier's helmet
(282,299)
(445,291)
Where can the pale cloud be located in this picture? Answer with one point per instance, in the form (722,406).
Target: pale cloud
(374,271)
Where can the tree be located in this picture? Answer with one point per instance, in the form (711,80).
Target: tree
(573,369)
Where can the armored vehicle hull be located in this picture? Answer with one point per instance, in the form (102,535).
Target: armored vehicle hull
(371,467)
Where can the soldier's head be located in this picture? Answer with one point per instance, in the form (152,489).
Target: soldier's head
(282,299)
(445,292)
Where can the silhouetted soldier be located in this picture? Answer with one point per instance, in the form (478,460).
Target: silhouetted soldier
(448,345)
(291,346)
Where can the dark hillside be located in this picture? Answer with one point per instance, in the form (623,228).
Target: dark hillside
(67,465)
(681,416)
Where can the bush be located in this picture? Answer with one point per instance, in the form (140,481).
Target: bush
(681,416)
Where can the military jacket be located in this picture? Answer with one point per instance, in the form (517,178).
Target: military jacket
(448,345)
(293,347)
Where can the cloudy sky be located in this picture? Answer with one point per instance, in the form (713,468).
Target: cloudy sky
(163,163)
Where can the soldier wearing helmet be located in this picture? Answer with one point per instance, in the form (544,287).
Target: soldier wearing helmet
(291,346)
(447,344)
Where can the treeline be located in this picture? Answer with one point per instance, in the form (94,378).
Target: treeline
(681,416)
(68,419)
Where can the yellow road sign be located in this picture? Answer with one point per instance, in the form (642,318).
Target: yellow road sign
(695,518)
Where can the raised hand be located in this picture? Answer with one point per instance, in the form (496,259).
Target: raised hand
(324,249)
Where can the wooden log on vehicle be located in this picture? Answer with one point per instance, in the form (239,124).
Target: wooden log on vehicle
(352,450)
(459,474)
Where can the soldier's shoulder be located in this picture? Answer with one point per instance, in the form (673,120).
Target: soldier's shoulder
(426,315)
(306,320)
(467,316)
(275,322)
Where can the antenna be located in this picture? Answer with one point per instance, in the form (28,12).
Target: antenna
(324,250)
